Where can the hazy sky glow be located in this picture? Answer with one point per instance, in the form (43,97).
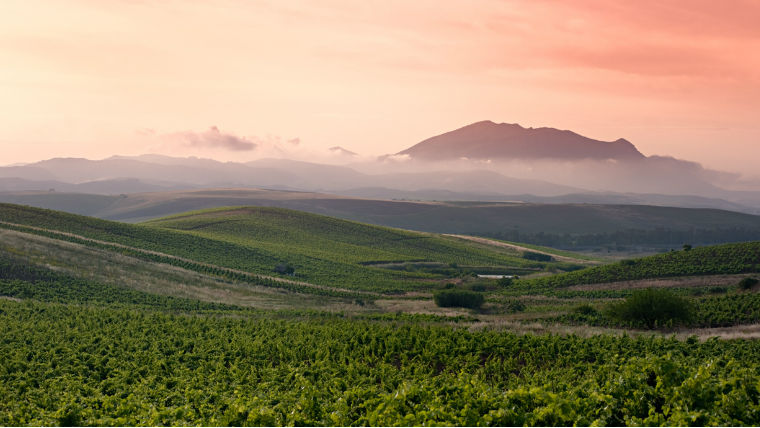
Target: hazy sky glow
(92,78)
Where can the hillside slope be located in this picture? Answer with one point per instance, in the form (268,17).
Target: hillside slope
(556,225)
(323,251)
(711,260)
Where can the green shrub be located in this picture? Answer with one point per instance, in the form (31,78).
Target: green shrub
(585,309)
(539,257)
(652,308)
(747,283)
(458,298)
(505,281)
(515,306)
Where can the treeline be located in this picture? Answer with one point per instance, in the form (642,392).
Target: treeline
(655,237)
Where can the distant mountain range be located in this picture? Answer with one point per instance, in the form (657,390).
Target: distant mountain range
(484,161)
(164,173)
(489,140)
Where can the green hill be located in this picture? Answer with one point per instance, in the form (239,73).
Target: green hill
(559,225)
(710,260)
(107,323)
(323,251)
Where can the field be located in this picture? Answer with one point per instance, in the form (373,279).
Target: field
(195,319)
(598,228)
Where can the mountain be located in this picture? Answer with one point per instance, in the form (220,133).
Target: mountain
(117,175)
(489,140)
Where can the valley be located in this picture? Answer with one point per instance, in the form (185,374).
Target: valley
(327,303)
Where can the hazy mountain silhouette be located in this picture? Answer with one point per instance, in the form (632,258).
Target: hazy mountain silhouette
(482,161)
(489,140)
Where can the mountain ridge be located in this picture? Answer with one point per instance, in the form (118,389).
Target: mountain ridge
(487,139)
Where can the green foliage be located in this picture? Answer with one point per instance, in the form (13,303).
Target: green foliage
(458,298)
(652,308)
(505,281)
(284,269)
(531,255)
(585,309)
(514,306)
(748,283)
(322,250)
(110,366)
(23,281)
(714,260)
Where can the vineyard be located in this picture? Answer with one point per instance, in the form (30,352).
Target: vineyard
(106,366)
(186,321)
(712,260)
(322,250)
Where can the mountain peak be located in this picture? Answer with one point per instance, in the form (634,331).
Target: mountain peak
(490,140)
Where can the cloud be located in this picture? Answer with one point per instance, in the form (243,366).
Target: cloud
(395,158)
(340,151)
(213,138)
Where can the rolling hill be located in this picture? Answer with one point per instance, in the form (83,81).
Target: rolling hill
(579,226)
(330,256)
(182,321)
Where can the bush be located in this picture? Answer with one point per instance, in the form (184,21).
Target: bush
(539,257)
(748,283)
(514,306)
(458,298)
(585,309)
(652,308)
(284,269)
(505,281)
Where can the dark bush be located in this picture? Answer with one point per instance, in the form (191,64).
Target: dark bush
(458,298)
(585,309)
(652,308)
(505,281)
(748,283)
(514,306)
(539,257)
(284,269)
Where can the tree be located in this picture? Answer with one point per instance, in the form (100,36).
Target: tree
(285,269)
(458,298)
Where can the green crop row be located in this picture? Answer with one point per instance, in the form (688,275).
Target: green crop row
(713,260)
(82,365)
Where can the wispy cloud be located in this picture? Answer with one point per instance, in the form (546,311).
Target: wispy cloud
(213,138)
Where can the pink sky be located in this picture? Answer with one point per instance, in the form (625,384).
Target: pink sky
(92,78)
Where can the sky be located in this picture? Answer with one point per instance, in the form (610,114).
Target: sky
(239,80)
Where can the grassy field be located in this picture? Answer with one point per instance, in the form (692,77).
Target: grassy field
(322,250)
(617,228)
(183,321)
